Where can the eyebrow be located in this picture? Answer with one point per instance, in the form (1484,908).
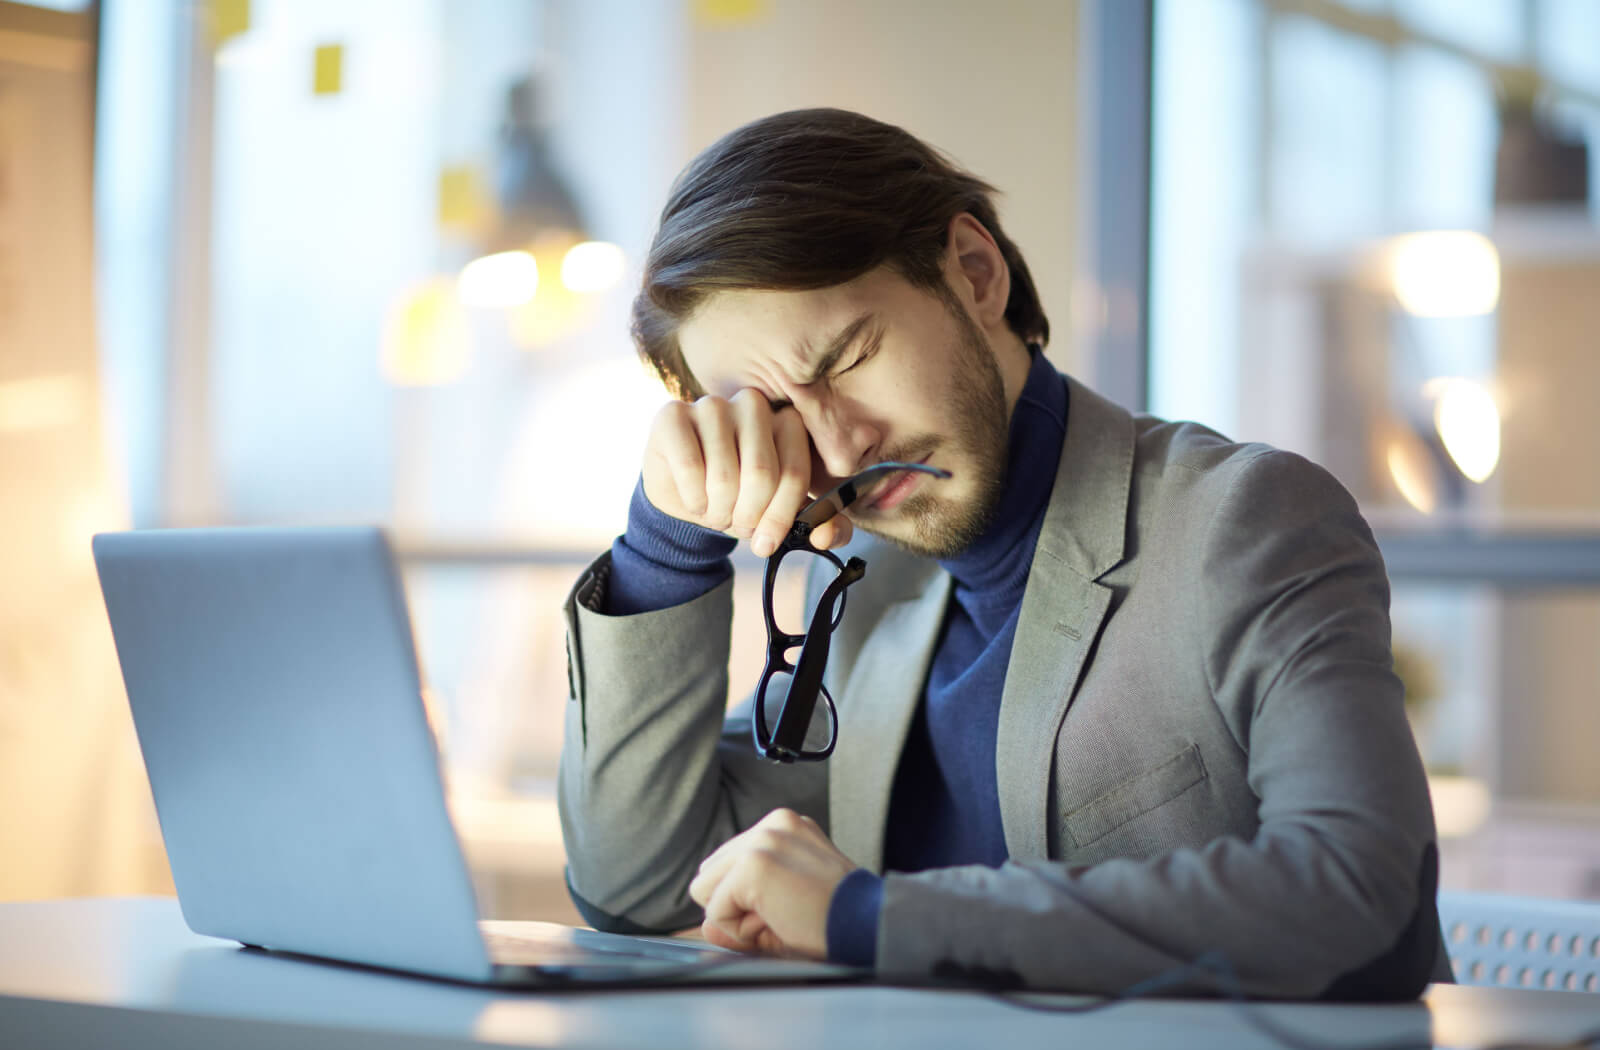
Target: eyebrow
(836,348)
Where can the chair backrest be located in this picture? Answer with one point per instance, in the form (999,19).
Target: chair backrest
(1522,942)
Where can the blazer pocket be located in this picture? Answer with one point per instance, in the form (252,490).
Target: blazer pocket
(1137,795)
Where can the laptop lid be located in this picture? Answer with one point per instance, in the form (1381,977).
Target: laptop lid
(276,697)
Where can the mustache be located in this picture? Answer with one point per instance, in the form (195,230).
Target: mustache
(911,451)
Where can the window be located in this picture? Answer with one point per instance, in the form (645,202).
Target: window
(1373,243)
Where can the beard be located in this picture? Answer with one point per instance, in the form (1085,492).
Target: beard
(938,526)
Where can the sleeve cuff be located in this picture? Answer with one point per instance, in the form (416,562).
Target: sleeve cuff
(660,561)
(853,919)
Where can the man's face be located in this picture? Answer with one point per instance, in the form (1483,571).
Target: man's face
(878,370)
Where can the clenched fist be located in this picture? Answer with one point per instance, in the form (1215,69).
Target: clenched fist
(769,888)
(737,466)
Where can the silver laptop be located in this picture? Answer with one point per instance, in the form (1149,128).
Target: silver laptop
(277,700)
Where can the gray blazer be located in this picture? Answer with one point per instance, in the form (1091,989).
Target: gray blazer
(1201,747)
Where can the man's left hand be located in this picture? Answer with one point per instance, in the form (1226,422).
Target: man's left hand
(768,889)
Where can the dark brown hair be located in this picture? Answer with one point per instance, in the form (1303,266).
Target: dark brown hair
(810,199)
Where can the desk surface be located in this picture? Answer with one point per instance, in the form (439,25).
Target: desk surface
(128,972)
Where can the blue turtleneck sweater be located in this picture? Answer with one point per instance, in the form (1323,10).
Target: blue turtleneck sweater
(945,808)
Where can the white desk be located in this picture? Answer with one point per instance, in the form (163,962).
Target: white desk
(126,972)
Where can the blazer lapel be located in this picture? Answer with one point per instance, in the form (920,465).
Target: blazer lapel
(1063,609)
(875,713)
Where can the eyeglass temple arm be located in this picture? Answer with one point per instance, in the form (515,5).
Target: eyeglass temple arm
(842,495)
(794,718)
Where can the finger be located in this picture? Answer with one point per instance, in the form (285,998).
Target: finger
(675,459)
(704,883)
(758,460)
(835,532)
(764,834)
(713,420)
(714,935)
(793,451)
(769,943)
(782,818)
(753,929)
(729,904)
(715,867)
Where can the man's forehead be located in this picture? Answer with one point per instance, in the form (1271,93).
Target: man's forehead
(735,329)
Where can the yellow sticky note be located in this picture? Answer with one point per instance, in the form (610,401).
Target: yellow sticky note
(328,77)
(730,12)
(464,203)
(229,18)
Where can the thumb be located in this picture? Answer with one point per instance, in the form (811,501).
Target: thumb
(835,532)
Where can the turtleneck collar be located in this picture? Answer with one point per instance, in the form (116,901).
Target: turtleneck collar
(998,561)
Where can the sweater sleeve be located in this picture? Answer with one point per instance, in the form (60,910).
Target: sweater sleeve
(661,562)
(853,919)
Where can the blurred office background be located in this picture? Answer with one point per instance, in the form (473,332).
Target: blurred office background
(294,262)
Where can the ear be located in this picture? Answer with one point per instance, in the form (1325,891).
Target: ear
(977,270)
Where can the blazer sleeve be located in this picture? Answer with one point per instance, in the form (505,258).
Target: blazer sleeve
(655,774)
(1334,895)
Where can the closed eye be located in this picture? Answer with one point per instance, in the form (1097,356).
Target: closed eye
(867,351)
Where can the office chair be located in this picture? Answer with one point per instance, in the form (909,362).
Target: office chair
(1522,942)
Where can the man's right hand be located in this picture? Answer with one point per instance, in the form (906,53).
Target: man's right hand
(737,466)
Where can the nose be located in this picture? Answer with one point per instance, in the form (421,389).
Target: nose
(841,441)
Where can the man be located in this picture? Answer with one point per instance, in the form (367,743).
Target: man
(1113,695)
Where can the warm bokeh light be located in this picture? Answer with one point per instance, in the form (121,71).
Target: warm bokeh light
(42,401)
(1411,472)
(1461,805)
(504,279)
(607,400)
(1445,273)
(557,311)
(592,266)
(1468,421)
(548,318)
(426,339)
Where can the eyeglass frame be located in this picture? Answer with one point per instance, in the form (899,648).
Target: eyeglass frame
(786,742)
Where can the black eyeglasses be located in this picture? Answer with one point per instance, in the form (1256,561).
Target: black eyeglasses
(800,682)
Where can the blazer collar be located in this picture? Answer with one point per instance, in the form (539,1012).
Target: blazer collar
(1063,610)
(1086,522)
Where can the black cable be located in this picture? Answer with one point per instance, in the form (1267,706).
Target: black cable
(1214,967)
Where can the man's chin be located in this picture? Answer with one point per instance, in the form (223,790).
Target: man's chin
(928,531)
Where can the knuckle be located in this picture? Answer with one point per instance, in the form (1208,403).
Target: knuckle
(670,422)
(711,408)
(795,475)
(760,470)
(750,399)
(779,516)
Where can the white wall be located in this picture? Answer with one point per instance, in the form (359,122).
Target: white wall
(992,84)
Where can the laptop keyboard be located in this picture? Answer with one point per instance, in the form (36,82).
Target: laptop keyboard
(558,946)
